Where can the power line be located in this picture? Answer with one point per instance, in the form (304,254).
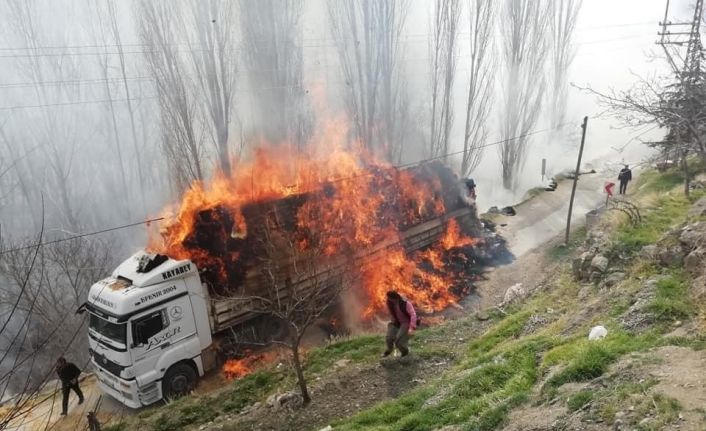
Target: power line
(74,82)
(323,44)
(252,91)
(41,244)
(266,40)
(633,24)
(79,102)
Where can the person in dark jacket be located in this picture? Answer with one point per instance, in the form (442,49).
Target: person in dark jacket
(68,374)
(404,322)
(625,176)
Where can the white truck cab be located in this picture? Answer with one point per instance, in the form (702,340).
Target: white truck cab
(149,330)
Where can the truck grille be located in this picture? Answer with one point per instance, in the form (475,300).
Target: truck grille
(107,364)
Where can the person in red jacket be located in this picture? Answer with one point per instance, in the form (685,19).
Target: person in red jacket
(68,374)
(404,322)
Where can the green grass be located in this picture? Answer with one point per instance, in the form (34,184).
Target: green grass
(198,410)
(670,211)
(653,181)
(560,251)
(579,400)
(672,301)
(191,411)
(184,416)
(361,348)
(249,389)
(508,329)
(479,397)
(388,412)
(582,360)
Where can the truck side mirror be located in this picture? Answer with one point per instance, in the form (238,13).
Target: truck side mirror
(82,308)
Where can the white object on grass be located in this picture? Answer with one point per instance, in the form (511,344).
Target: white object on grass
(597,332)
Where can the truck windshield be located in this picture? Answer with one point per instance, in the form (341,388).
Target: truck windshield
(115,332)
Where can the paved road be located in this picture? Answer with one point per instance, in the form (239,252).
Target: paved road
(544,217)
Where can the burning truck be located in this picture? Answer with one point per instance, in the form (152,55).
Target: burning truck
(161,319)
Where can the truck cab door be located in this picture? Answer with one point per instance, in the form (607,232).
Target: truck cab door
(165,330)
(149,333)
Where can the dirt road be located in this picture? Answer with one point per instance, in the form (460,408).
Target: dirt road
(539,220)
(44,413)
(543,217)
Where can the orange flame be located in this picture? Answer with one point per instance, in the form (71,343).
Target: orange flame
(454,238)
(239,368)
(352,201)
(236,368)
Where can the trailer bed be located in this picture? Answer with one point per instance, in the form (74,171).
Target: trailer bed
(230,312)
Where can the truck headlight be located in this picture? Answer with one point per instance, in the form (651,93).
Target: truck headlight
(129,372)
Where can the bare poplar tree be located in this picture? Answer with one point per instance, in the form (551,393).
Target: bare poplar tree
(367,35)
(273,55)
(480,87)
(195,86)
(213,61)
(111,17)
(98,31)
(562,25)
(54,131)
(182,143)
(524,53)
(442,47)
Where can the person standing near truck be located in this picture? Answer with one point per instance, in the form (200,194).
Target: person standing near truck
(625,176)
(404,322)
(68,374)
(468,191)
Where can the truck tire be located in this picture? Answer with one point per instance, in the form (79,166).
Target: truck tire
(275,329)
(179,380)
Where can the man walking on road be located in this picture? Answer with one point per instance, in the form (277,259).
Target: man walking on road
(625,176)
(404,322)
(68,374)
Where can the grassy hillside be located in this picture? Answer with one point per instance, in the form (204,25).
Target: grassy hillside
(529,365)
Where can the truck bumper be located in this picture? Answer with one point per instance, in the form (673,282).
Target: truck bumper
(125,391)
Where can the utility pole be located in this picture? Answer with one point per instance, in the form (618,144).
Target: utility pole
(576,180)
(689,76)
(689,72)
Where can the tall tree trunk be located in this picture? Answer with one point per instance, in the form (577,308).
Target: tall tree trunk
(524,50)
(480,87)
(141,186)
(299,370)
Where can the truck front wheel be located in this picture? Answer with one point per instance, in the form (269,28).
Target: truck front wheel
(179,380)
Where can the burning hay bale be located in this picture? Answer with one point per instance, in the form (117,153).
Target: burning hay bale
(386,219)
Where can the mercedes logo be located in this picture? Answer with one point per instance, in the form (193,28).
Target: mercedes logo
(176,312)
